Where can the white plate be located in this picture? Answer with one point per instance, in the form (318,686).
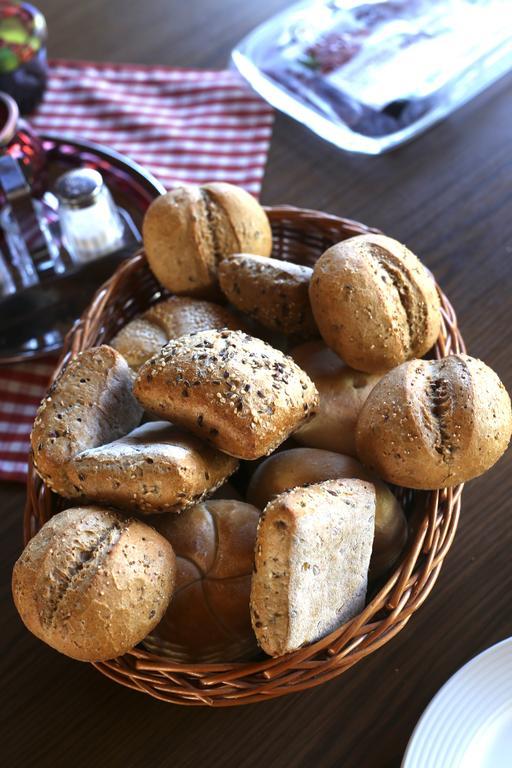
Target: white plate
(468,723)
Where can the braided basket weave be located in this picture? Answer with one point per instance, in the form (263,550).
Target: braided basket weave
(299,236)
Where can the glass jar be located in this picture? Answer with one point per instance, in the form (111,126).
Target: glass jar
(23,61)
(90,222)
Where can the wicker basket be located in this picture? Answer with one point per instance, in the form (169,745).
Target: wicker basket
(301,236)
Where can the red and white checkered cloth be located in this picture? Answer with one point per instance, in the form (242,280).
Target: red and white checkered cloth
(182,125)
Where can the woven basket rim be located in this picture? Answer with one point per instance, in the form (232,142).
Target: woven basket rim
(406,588)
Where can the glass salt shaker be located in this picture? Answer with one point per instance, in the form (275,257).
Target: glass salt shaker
(91,224)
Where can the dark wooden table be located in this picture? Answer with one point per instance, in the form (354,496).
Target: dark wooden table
(448,195)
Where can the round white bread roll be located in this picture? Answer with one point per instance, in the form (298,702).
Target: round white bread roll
(303,466)
(343,392)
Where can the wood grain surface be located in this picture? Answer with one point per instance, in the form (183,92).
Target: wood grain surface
(448,195)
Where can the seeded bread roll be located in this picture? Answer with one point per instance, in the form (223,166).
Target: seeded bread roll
(92,584)
(208,619)
(302,466)
(374,302)
(144,336)
(233,390)
(342,393)
(434,423)
(272,291)
(313,548)
(156,468)
(189,230)
(91,403)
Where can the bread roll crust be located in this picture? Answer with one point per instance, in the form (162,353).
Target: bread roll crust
(92,584)
(188,230)
(299,467)
(231,389)
(312,553)
(89,404)
(176,316)
(155,468)
(177,242)
(342,391)
(374,303)
(209,618)
(430,424)
(272,291)
(139,340)
(247,219)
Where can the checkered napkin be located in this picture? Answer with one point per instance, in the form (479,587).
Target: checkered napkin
(182,125)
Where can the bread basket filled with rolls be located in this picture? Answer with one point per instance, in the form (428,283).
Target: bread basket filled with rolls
(248,469)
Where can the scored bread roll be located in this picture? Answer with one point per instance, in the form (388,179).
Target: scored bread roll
(177,316)
(187,231)
(272,291)
(374,303)
(231,389)
(303,466)
(208,619)
(89,404)
(342,393)
(155,468)
(92,584)
(430,424)
(313,548)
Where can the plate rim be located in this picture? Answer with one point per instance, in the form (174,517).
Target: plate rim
(433,704)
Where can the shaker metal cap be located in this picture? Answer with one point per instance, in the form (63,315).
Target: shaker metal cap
(79,188)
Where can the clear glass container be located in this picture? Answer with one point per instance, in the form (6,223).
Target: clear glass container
(19,245)
(90,222)
(371,76)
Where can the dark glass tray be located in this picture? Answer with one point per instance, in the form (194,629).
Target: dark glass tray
(35,320)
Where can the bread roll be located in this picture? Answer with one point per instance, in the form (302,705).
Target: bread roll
(434,423)
(312,553)
(342,393)
(303,466)
(272,291)
(297,467)
(92,584)
(230,389)
(208,619)
(374,302)
(189,230)
(391,532)
(91,403)
(177,316)
(226,492)
(156,468)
